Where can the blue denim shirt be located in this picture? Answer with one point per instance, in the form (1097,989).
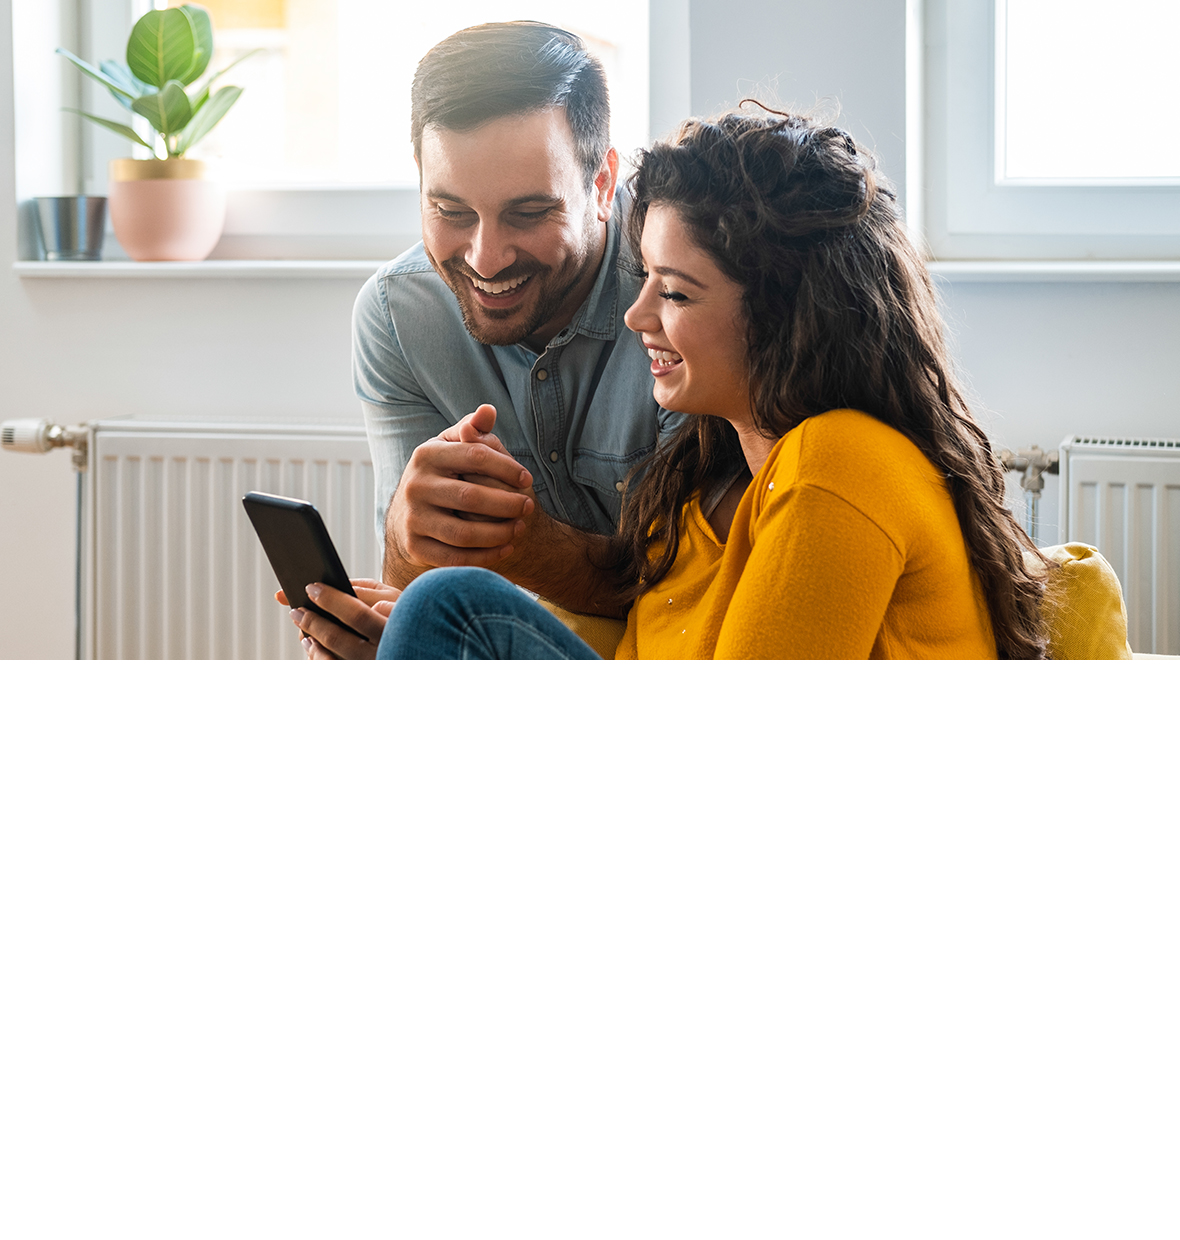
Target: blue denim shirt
(578,416)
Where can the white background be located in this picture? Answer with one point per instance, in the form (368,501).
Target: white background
(855,965)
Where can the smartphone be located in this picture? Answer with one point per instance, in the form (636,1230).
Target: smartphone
(297,544)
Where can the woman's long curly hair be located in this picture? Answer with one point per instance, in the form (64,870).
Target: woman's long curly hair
(841,314)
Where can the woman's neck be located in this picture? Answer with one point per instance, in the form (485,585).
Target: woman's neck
(755,446)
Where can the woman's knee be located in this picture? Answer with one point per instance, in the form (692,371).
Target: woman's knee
(454,588)
(437,609)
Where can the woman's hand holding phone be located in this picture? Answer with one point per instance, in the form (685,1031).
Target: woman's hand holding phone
(366,614)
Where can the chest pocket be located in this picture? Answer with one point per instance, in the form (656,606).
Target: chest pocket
(604,476)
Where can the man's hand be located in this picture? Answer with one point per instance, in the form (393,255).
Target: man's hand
(367,614)
(565,565)
(469,431)
(461,501)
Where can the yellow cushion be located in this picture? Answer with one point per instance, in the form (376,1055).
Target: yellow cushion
(1083,609)
(601,633)
(1083,605)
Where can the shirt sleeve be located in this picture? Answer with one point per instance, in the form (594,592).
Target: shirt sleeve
(398,416)
(816,584)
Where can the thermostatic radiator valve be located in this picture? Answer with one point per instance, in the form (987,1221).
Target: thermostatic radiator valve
(38,435)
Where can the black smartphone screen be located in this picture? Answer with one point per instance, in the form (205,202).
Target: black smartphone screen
(297,544)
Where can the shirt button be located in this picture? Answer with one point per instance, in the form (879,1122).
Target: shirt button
(618,486)
(542,375)
(553,456)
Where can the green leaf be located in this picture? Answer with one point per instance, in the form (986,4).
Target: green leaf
(98,76)
(167,111)
(199,100)
(201,124)
(162,46)
(124,131)
(126,79)
(203,32)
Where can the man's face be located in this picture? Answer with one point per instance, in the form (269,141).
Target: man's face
(509,225)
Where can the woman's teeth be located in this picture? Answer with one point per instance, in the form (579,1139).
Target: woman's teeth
(504,286)
(664,355)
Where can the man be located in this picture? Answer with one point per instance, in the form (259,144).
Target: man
(513,300)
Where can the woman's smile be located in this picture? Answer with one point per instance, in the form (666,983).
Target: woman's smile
(663,361)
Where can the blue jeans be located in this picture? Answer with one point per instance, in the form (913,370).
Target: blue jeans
(471,613)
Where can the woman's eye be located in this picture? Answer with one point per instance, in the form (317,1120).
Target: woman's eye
(669,295)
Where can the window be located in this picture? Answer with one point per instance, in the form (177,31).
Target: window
(1053,129)
(316,153)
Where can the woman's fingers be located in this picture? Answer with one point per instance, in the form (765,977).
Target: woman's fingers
(348,610)
(376,593)
(359,626)
(314,650)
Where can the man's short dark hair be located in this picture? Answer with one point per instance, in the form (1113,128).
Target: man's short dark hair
(505,68)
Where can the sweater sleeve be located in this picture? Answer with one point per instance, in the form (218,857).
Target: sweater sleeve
(816,585)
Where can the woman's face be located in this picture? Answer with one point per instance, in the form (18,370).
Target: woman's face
(690,318)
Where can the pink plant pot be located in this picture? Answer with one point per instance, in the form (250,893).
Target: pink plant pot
(164,210)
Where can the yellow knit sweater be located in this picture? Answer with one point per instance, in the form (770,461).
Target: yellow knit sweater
(845,546)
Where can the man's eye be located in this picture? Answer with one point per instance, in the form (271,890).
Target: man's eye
(532,215)
(449,215)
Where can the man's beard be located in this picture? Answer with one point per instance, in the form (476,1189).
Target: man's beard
(492,326)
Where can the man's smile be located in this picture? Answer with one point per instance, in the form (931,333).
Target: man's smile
(499,287)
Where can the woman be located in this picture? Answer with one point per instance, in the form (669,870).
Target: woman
(830,495)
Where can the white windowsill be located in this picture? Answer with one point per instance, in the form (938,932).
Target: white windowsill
(1051,271)
(210,269)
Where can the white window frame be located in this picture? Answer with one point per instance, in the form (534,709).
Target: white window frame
(970,214)
(330,222)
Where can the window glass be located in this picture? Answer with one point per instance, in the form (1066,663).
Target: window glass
(1087,91)
(1035,147)
(327,89)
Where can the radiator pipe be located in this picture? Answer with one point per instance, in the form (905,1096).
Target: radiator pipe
(1033,464)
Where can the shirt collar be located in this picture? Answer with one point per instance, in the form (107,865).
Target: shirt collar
(599,315)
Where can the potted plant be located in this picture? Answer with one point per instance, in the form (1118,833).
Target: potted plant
(164,207)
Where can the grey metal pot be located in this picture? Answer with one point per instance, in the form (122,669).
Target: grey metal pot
(72,229)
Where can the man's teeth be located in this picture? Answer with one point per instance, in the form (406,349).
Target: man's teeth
(504,286)
(664,355)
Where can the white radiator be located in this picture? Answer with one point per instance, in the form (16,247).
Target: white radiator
(1123,497)
(169,565)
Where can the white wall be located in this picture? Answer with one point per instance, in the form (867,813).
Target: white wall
(1044,359)
(845,56)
